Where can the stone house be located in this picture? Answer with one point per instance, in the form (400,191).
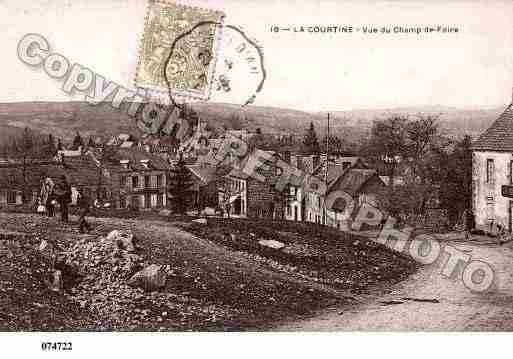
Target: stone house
(137,178)
(247,196)
(362,185)
(492,175)
(206,180)
(21,184)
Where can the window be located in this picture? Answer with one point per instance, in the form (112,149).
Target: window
(147,181)
(510,172)
(135,181)
(11,197)
(160,198)
(122,181)
(489,170)
(289,210)
(159,180)
(122,201)
(147,200)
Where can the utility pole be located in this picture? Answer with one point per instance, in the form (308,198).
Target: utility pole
(326,171)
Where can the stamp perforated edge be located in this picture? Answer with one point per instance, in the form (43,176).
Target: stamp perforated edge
(157,91)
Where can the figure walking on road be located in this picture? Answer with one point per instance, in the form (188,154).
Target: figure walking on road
(64,198)
(84,202)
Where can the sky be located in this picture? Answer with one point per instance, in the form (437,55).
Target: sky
(305,71)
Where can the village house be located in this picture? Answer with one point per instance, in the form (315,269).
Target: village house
(206,181)
(314,199)
(362,185)
(138,179)
(84,172)
(21,184)
(246,196)
(492,175)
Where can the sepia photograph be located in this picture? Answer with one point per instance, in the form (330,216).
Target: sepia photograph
(331,168)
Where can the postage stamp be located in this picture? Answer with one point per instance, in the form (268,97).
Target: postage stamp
(193,35)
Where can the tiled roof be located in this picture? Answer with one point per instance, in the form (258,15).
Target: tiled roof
(11,176)
(499,136)
(352,181)
(334,171)
(83,170)
(79,171)
(135,155)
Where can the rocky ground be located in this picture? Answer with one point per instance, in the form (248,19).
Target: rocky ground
(151,275)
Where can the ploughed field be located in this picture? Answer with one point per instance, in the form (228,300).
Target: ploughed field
(218,275)
(320,254)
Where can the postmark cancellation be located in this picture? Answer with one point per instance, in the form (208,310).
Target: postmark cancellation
(191,35)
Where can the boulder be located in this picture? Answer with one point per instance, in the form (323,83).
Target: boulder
(123,238)
(56,285)
(45,248)
(271,243)
(150,278)
(209,211)
(165,213)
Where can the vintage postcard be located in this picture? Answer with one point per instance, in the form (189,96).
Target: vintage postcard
(255,166)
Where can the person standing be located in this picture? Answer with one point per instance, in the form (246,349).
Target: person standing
(84,202)
(64,198)
(50,207)
(46,196)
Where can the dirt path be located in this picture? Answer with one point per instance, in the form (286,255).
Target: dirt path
(453,306)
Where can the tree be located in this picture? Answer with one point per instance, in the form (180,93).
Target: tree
(180,182)
(456,185)
(90,143)
(77,142)
(60,147)
(50,150)
(310,142)
(388,143)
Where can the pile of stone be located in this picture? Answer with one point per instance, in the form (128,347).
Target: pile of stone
(105,274)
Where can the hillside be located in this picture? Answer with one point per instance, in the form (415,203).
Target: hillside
(453,121)
(63,119)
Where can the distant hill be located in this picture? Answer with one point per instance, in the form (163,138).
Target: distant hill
(63,119)
(453,121)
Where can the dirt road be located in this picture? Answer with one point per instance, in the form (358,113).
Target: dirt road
(435,302)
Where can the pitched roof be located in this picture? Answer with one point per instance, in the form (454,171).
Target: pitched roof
(78,170)
(12,175)
(353,180)
(334,171)
(134,156)
(82,170)
(499,136)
